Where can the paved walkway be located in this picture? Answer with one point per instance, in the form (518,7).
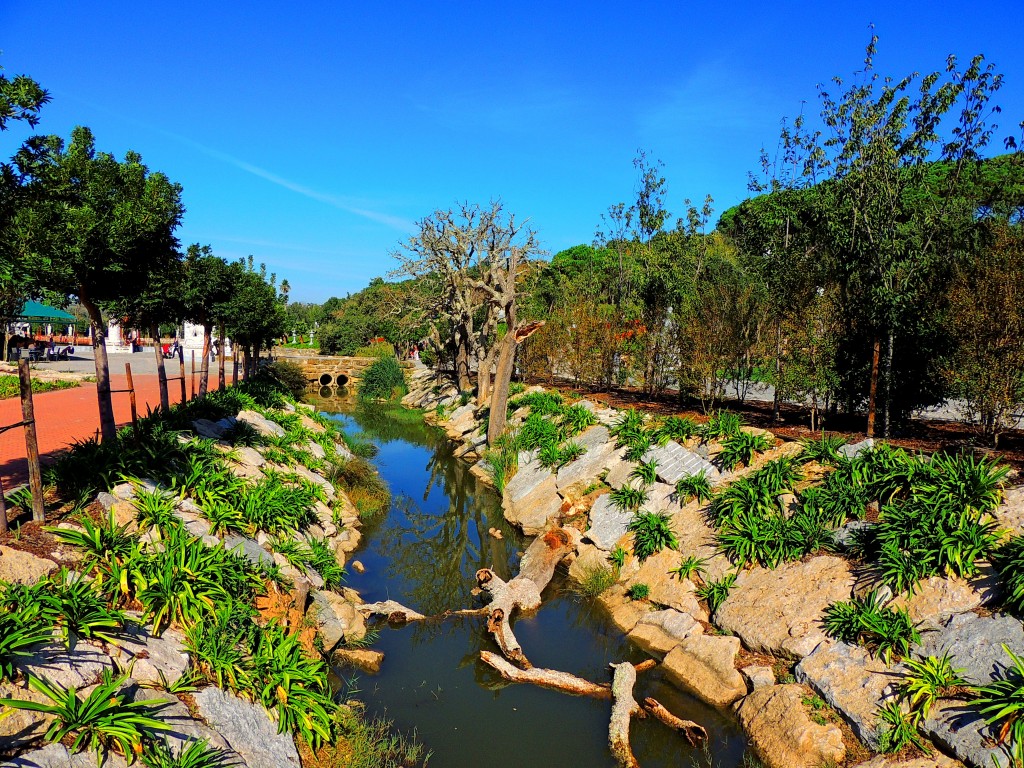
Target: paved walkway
(67,415)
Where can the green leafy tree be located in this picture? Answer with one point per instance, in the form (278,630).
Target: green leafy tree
(207,287)
(93,228)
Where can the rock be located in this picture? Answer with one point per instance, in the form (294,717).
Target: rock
(937,598)
(588,559)
(851,682)
(619,471)
(337,620)
(676,462)
(79,667)
(780,611)
(601,454)
(659,632)
(365,659)
(1010,514)
(124,513)
(183,729)
(249,456)
(148,656)
(783,734)
(666,588)
(531,499)
(622,612)
(846,536)
(247,728)
(316,449)
(358,567)
(758,677)
(20,727)
(248,549)
(106,499)
(261,424)
(494,533)
(313,477)
(124,491)
(957,727)
(607,524)
(975,644)
(56,755)
(935,760)
(19,567)
(208,429)
(705,666)
(855,449)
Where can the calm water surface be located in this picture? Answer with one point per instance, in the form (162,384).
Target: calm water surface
(424,553)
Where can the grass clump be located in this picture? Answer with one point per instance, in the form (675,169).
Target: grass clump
(628,499)
(652,532)
(722,424)
(596,580)
(696,486)
(740,448)
(638,591)
(883,630)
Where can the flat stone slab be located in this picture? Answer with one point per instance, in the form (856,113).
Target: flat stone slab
(851,682)
(975,644)
(149,656)
(531,497)
(18,567)
(676,462)
(607,524)
(957,727)
(56,755)
(248,548)
(80,667)
(183,729)
(262,424)
(782,732)
(705,666)
(248,729)
(780,611)
(600,455)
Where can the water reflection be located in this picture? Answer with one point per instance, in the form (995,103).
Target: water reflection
(424,554)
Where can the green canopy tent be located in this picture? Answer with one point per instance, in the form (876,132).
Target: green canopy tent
(34,312)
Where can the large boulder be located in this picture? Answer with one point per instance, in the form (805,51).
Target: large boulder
(78,667)
(783,734)
(956,727)
(20,567)
(780,611)
(337,620)
(607,524)
(151,657)
(975,644)
(182,728)
(20,727)
(676,462)
(56,755)
(1010,514)
(623,613)
(939,597)
(705,665)
(659,632)
(852,682)
(666,588)
(247,728)
(531,498)
(261,424)
(600,455)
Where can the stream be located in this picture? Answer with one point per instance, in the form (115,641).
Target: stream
(424,554)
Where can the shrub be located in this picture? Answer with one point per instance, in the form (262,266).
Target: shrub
(675,428)
(105,719)
(80,611)
(865,621)
(722,424)
(217,649)
(289,376)
(575,419)
(379,350)
(638,591)
(696,486)
(516,388)
(900,730)
(646,472)
(927,681)
(739,448)
(539,403)
(778,476)
(1002,704)
(824,450)
(537,432)
(652,532)
(627,499)
(382,379)
(715,592)
(629,433)
(100,544)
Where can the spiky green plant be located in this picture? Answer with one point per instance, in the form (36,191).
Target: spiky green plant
(1001,703)
(652,532)
(627,498)
(638,591)
(824,450)
(899,731)
(928,680)
(618,557)
(722,424)
(197,754)
(646,472)
(689,566)
(715,592)
(740,448)
(575,419)
(696,486)
(323,560)
(677,428)
(865,621)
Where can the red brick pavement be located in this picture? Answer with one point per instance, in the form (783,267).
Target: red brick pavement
(67,415)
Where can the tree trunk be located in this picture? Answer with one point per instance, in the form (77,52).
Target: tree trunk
(876,351)
(887,405)
(624,708)
(503,377)
(108,426)
(462,378)
(245,362)
(483,375)
(694,733)
(161,372)
(778,375)
(546,678)
(204,369)
(221,382)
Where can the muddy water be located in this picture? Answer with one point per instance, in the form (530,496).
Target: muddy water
(424,553)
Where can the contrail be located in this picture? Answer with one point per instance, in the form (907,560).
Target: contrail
(394,222)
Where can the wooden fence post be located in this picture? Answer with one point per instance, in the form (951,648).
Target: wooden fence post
(193,374)
(35,477)
(3,508)
(131,398)
(181,364)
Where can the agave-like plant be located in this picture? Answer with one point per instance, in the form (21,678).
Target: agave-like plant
(1002,704)
(696,486)
(627,498)
(652,532)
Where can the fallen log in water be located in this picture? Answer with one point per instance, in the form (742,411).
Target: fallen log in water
(546,678)
(396,613)
(694,733)
(624,707)
(522,593)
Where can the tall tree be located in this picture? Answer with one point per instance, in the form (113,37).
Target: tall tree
(207,287)
(94,228)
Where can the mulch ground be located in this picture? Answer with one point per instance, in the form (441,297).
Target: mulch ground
(919,435)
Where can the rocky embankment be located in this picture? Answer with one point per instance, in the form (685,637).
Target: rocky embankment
(804,698)
(245,731)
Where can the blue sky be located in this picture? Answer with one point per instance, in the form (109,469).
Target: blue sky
(312,135)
